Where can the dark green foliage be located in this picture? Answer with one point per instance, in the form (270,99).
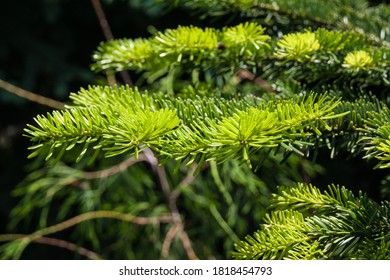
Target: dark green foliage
(351,14)
(309,224)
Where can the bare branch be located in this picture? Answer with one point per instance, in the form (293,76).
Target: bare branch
(109,36)
(114,169)
(31,96)
(185,182)
(247,75)
(173,231)
(187,245)
(98,215)
(102,20)
(178,227)
(56,243)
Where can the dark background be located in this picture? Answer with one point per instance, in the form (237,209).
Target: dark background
(46,47)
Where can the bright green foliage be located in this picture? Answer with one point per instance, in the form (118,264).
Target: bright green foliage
(297,46)
(331,57)
(186,44)
(117,129)
(122,120)
(309,224)
(379,142)
(245,38)
(357,59)
(137,52)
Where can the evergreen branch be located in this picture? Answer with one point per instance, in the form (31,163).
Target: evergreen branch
(182,45)
(333,224)
(353,15)
(284,233)
(245,132)
(329,56)
(116,130)
(121,119)
(377,140)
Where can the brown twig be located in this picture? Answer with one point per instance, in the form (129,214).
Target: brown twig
(178,227)
(109,36)
(162,177)
(185,182)
(39,235)
(114,169)
(185,239)
(56,243)
(98,215)
(31,96)
(102,20)
(247,75)
(172,232)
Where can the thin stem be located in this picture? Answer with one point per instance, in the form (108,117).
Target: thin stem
(31,96)
(224,225)
(184,183)
(172,232)
(185,239)
(97,215)
(162,178)
(109,36)
(56,243)
(114,169)
(171,198)
(221,186)
(102,20)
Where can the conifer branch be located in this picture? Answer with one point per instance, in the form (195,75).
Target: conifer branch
(200,111)
(139,123)
(336,57)
(334,224)
(122,120)
(353,15)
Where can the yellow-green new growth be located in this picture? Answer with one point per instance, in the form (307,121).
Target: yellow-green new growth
(297,46)
(357,60)
(185,40)
(248,37)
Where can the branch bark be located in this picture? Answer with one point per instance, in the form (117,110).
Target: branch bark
(109,36)
(31,96)
(178,228)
